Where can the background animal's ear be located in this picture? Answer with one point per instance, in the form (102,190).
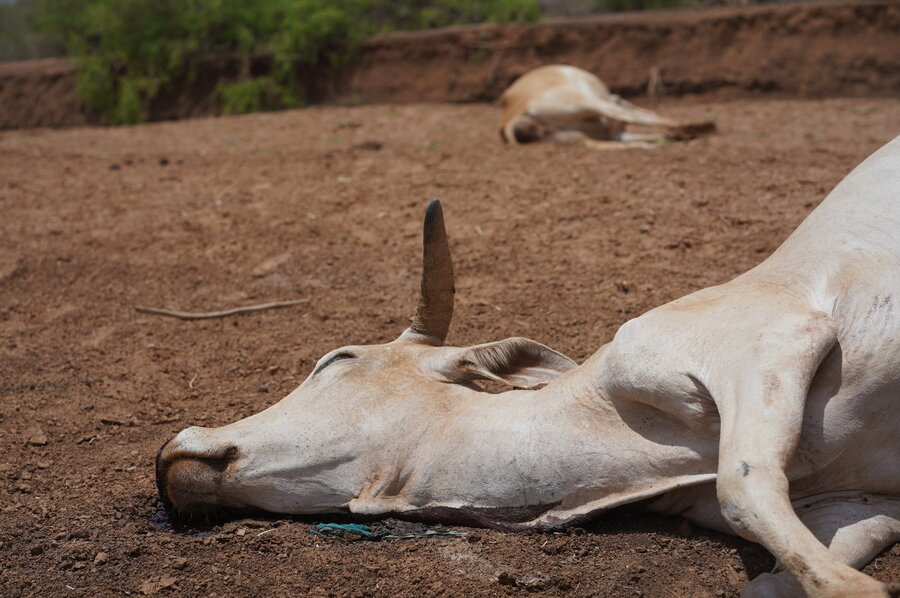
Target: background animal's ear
(519,362)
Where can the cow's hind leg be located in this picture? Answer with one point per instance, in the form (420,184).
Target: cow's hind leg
(855,529)
(761,405)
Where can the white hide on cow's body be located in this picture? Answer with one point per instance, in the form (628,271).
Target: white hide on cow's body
(767,405)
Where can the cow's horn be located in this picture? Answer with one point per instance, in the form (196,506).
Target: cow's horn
(435,308)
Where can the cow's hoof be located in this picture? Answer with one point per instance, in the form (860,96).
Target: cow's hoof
(773,585)
(783,585)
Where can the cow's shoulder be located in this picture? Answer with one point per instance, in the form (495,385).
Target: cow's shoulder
(676,357)
(651,362)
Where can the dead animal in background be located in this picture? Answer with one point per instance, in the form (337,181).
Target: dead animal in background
(570,105)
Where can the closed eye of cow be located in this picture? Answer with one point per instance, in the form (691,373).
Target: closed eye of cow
(333,359)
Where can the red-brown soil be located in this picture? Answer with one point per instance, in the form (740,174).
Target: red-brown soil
(822,49)
(553,242)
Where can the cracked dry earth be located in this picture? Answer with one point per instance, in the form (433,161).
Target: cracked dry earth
(556,243)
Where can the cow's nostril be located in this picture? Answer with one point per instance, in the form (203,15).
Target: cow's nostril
(221,463)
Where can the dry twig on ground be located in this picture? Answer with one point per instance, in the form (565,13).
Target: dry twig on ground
(217,314)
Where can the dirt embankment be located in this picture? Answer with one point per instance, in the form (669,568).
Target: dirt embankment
(800,50)
(814,50)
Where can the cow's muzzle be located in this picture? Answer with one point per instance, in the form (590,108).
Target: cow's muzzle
(190,480)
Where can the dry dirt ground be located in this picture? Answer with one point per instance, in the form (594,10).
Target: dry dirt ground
(553,242)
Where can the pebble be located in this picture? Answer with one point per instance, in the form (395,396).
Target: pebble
(101,558)
(154,585)
(78,534)
(36,437)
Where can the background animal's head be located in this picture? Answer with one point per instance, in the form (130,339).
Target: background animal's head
(524,129)
(362,410)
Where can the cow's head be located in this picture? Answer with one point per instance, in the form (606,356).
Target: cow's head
(361,414)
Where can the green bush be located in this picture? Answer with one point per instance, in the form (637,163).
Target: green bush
(255,95)
(127,51)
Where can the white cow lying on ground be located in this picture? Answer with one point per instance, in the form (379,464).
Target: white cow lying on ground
(767,405)
(570,105)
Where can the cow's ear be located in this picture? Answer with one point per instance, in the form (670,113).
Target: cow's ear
(519,362)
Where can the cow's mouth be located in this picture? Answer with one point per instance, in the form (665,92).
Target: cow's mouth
(162,468)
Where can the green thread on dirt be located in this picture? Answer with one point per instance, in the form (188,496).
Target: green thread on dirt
(359,531)
(342,530)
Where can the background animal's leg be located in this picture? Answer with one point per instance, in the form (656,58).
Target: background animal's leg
(761,402)
(649,116)
(577,137)
(616,145)
(672,129)
(854,531)
(646,137)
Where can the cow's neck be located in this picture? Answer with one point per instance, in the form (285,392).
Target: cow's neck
(541,458)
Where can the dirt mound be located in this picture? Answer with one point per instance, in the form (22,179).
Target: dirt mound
(39,93)
(552,242)
(814,50)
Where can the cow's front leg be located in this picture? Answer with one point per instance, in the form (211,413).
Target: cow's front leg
(761,405)
(760,429)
